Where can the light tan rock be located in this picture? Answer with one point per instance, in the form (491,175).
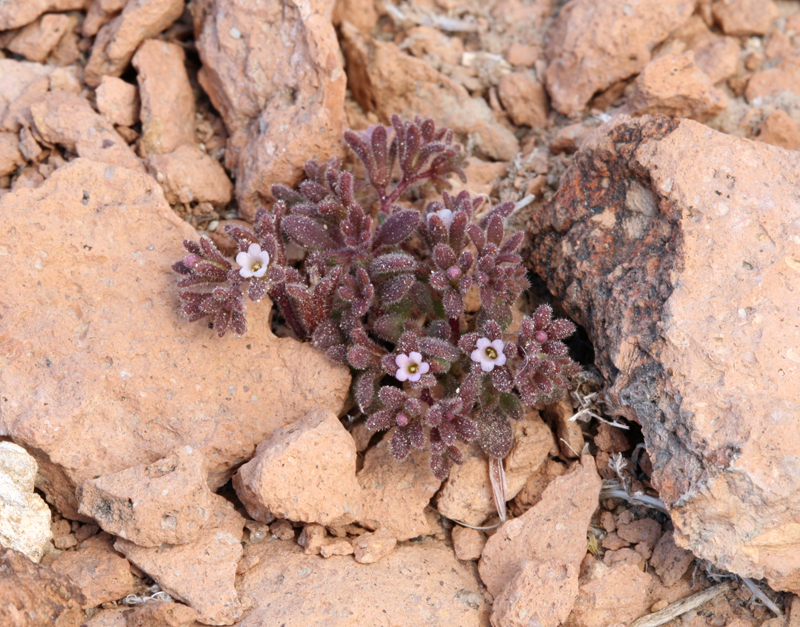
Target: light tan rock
(117,617)
(23,82)
(568,432)
(167,109)
(532,492)
(396,493)
(166,502)
(362,14)
(161,614)
(610,596)
(24,516)
(431,44)
(100,12)
(36,596)
(276,76)
(719,342)
(117,41)
(387,81)
(101,573)
(10,156)
(774,82)
(644,530)
(336,546)
(467,543)
(540,593)
(669,560)
(417,584)
(67,119)
(777,129)
(554,529)
(675,86)
(201,573)
(16,13)
(277,480)
(111,405)
(596,44)
(118,101)
(28,146)
(467,493)
(372,546)
(524,98)
(714,54)
(187,174)
(744,17)
(36,41)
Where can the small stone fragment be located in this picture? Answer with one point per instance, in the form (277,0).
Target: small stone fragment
(524,99)
(16,13)
(467,543)
(613,542)
(766,85)
(645,530)
(65,542)
(36,41)
(539,594)
(118,101)
(117,41)
(372,546)
(675,86)
(24,516)
(23,83)
(312,538)
(744,17)
(624,555)
(36,596)
(161,614)
(777,129)
(275,481)
(187,174)
(10,156)
(28,146)
(101,574)
(610,596)
(167,109)
(116,617)
(336,546)
(611,439)
(669,560)
(532,492)
(282,529)
(201,573)
(568,432)
(100,12)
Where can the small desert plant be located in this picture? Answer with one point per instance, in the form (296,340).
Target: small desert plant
(382,289)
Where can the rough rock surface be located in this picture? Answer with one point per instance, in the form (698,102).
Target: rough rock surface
(161,614)
(596,44)
(23,83)
(387,81)
(16,13)
(10,156)
(396,493)
(669,560)
(168,110)
(166,502)
(118,40)
(467,543)
(201,573)
(36,596)
(540,591)
(610,596)
(524,98)
(779,129)
(675,86)
(274,73)
(118,101)
(304,472)
(553,530)
(698,230)
(92,249)
(744,17)
(24,516)
(418,584)
(68,119)
(36,41)
(370,547)
(187,174)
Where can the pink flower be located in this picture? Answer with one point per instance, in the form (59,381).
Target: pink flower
(254,262)
(410,367)
(489,354)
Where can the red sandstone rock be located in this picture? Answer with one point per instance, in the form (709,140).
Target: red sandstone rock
(675,86)
(778,129)
(36,596)
(304,472)
(16,13)
(10,156)
(111,405)
(280,88)
(23,83)
(370,547)
(66,119)
(524,98)
(417,584)
(710,288)
(611,439)
(387,81)
(36,41)
(531,493)
(613,595)
(744,17)
(201,573)
(554,529)
(187,174)
(100,12)
(467,543)
(596,44)
(101,574)
(568,432)
(670,561)
(644,530)
(116,617)
(541,593)
(117,41)
(168,111)
(161,614)
(773,82)
(166,502)
(396,493)
(362,14)
(118,101)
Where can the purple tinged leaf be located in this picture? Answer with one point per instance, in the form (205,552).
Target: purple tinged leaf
(447,433)
(494,230)
(438,348)
(496,437)
(477,236)
(381,420)
(560,329)
(437,445)
(392,397)
(181,268)
(492,330)
(306,232)
(238,322)
(416,434)
(469,342)
(360,358)
(257,290)
(364,390)
(458,230)
(455,454)
(512,243)
(542,316)
(397,228)
(439,281)
(444,256)
(440,467)
(400,444)
(393,290)
(453,303)
(388,327)
(555,349)
(502,379)
(392,262)
(381,173)
(337,354)
(466,428)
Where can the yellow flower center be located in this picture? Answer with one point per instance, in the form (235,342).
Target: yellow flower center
(491,353)
(412,368)
(256,266)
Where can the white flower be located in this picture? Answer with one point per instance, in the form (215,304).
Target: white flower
(489,354)
(446,215)
(254,262)
(410,367)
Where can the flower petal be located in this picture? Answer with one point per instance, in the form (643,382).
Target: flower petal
(501,359)
(424,367)
(246,272)
(487,365)
(254,249)
(401,375)
(415,357)
(261,271)
(483,343)
(402,360)
(242,259)
(498,346)
(414,377)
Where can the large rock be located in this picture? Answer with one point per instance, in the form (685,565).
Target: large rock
(596,44)
(274,72)
(187,174)
(387,81)
(677,248)
(98,370)
(16,13)
(23,83)
(418,584)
